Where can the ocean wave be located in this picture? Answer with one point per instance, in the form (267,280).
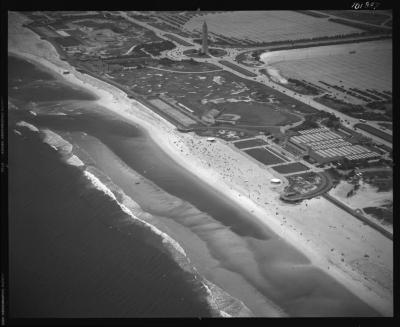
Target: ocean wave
(74,161)
(166,239)
(225,315)
(27,125)
(223,304)
(130,207)
(55,140)
(56,114)
(227,305)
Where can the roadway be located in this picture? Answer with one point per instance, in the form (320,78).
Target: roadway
(232,53)
(177,54)
(355,21)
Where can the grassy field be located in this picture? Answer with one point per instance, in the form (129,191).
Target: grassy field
(100,36)
(388,126)
(374,131)
(290,168)
(184,66)
(249,143)
(267,26)
(115,37)
(264,156)
(257,114)
(256,104)
(155,48)
(199,86)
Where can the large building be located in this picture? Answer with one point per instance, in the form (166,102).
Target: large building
(324,145)
(205,39)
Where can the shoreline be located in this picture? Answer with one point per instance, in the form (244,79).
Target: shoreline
(221,303)
(57,149)
(169,141)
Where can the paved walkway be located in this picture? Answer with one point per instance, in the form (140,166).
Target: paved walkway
(261,79)
(181,72)
(353,20)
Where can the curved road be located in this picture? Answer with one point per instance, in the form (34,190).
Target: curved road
(177,54)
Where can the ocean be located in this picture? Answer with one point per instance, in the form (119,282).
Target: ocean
(76,251)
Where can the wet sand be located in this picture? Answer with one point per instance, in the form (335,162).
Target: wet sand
(249,268)
(310,232)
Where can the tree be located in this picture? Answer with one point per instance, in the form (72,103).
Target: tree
(346,163)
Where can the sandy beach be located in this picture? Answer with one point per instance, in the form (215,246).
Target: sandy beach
(357,256)
(365,196)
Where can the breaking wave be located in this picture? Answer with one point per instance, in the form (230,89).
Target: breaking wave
(221,303)
(28,126)
(56,141)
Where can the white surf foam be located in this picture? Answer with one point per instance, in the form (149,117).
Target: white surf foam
(27,125)
(55,140)
(166,239)
(175,248)
(225,315)
(221,302)
(56,114)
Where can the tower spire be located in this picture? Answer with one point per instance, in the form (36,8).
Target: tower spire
(205,38)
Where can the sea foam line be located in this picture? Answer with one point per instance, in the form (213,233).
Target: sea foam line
(215,294)
(58,143)
(219,300)
(31,127)
(166,239)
